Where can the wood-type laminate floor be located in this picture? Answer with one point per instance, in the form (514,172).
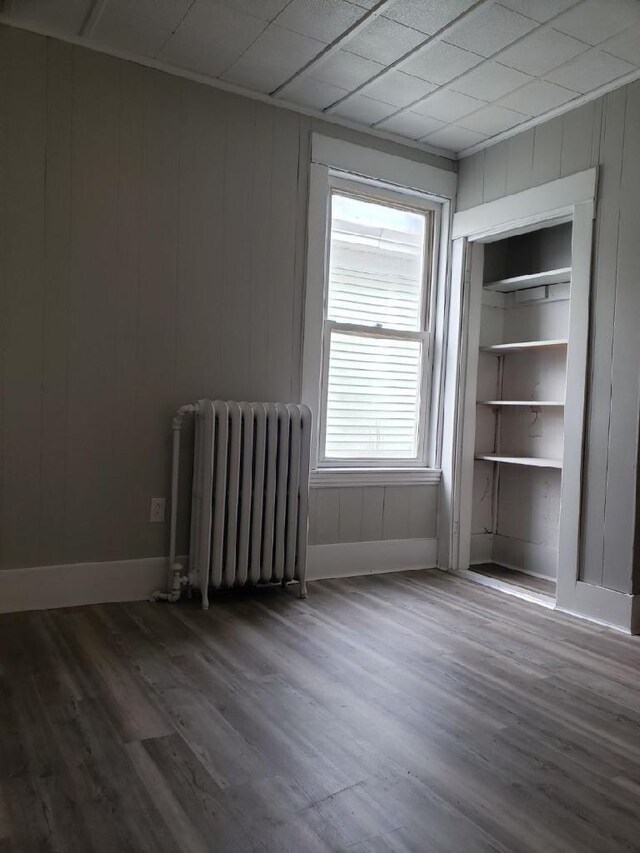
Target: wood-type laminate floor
(407,712)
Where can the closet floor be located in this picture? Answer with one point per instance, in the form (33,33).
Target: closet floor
(512,576)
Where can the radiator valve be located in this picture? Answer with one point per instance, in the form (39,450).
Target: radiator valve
(178,580)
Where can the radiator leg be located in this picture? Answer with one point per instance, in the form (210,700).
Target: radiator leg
(303,589)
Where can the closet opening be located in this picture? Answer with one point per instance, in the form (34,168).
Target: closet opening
(519,418)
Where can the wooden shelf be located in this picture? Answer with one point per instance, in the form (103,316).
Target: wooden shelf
(524,282)
(531,461)
(525,346)
(529,403)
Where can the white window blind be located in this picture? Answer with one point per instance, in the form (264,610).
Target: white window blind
(375,336)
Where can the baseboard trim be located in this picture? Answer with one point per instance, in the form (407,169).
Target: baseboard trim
(596,604)
(538,560)
(604,606)
(351,559)
(76,584)
(534,560)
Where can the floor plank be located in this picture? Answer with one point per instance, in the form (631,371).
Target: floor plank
(406,712)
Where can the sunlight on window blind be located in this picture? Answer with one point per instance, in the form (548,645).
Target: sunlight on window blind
(376,261)
(375,280)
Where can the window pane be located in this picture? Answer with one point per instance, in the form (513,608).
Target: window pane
(373,398)
(376,264)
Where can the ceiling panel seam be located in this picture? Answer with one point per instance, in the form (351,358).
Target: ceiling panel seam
(437,36)
(336,44)
(548,25)
(177,27)
(572,103)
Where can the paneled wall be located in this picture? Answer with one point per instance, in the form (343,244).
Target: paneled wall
(152,245)
(605,132)
(355,514)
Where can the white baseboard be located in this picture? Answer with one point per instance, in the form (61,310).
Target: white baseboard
(74,584)
(348,559)
(533,560)
(594,603)
(608,607)
(538,560)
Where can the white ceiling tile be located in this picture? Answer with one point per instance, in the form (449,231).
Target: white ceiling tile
(541,51)
(359,108)
(490,81)
(537,97)
(596,20)
(398,89)
(272,59)
(410,124)
(279,46)
(455,138)
(313,93)
(67,17)
(141,27)
(321,19)
(447,105)
(264,9)
(211,38)
(492,119)
(539,10)
(346,69)
(589,71)
(384,41)
(427,16)
(625,46)
(489,29)
(259,76)
(440,62)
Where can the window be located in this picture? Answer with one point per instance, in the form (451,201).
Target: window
(376,340)
(375,307)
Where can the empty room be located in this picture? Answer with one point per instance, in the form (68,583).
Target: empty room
(319,426)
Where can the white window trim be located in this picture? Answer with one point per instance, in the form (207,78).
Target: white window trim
(373,191)
(434,186)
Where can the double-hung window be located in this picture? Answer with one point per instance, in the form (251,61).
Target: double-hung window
(377,327)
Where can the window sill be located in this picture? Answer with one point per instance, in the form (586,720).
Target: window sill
(332,477)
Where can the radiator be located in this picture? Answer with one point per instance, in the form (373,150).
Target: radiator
(249,496)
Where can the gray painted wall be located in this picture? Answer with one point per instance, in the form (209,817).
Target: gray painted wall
(152,245)
(604,132)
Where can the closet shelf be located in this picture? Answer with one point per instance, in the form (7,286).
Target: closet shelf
(529,403)
(531,461)
(523,282)
(525,346)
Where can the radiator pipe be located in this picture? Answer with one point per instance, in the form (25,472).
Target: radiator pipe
(176,580)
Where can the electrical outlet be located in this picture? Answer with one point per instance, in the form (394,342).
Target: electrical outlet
(157,510)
